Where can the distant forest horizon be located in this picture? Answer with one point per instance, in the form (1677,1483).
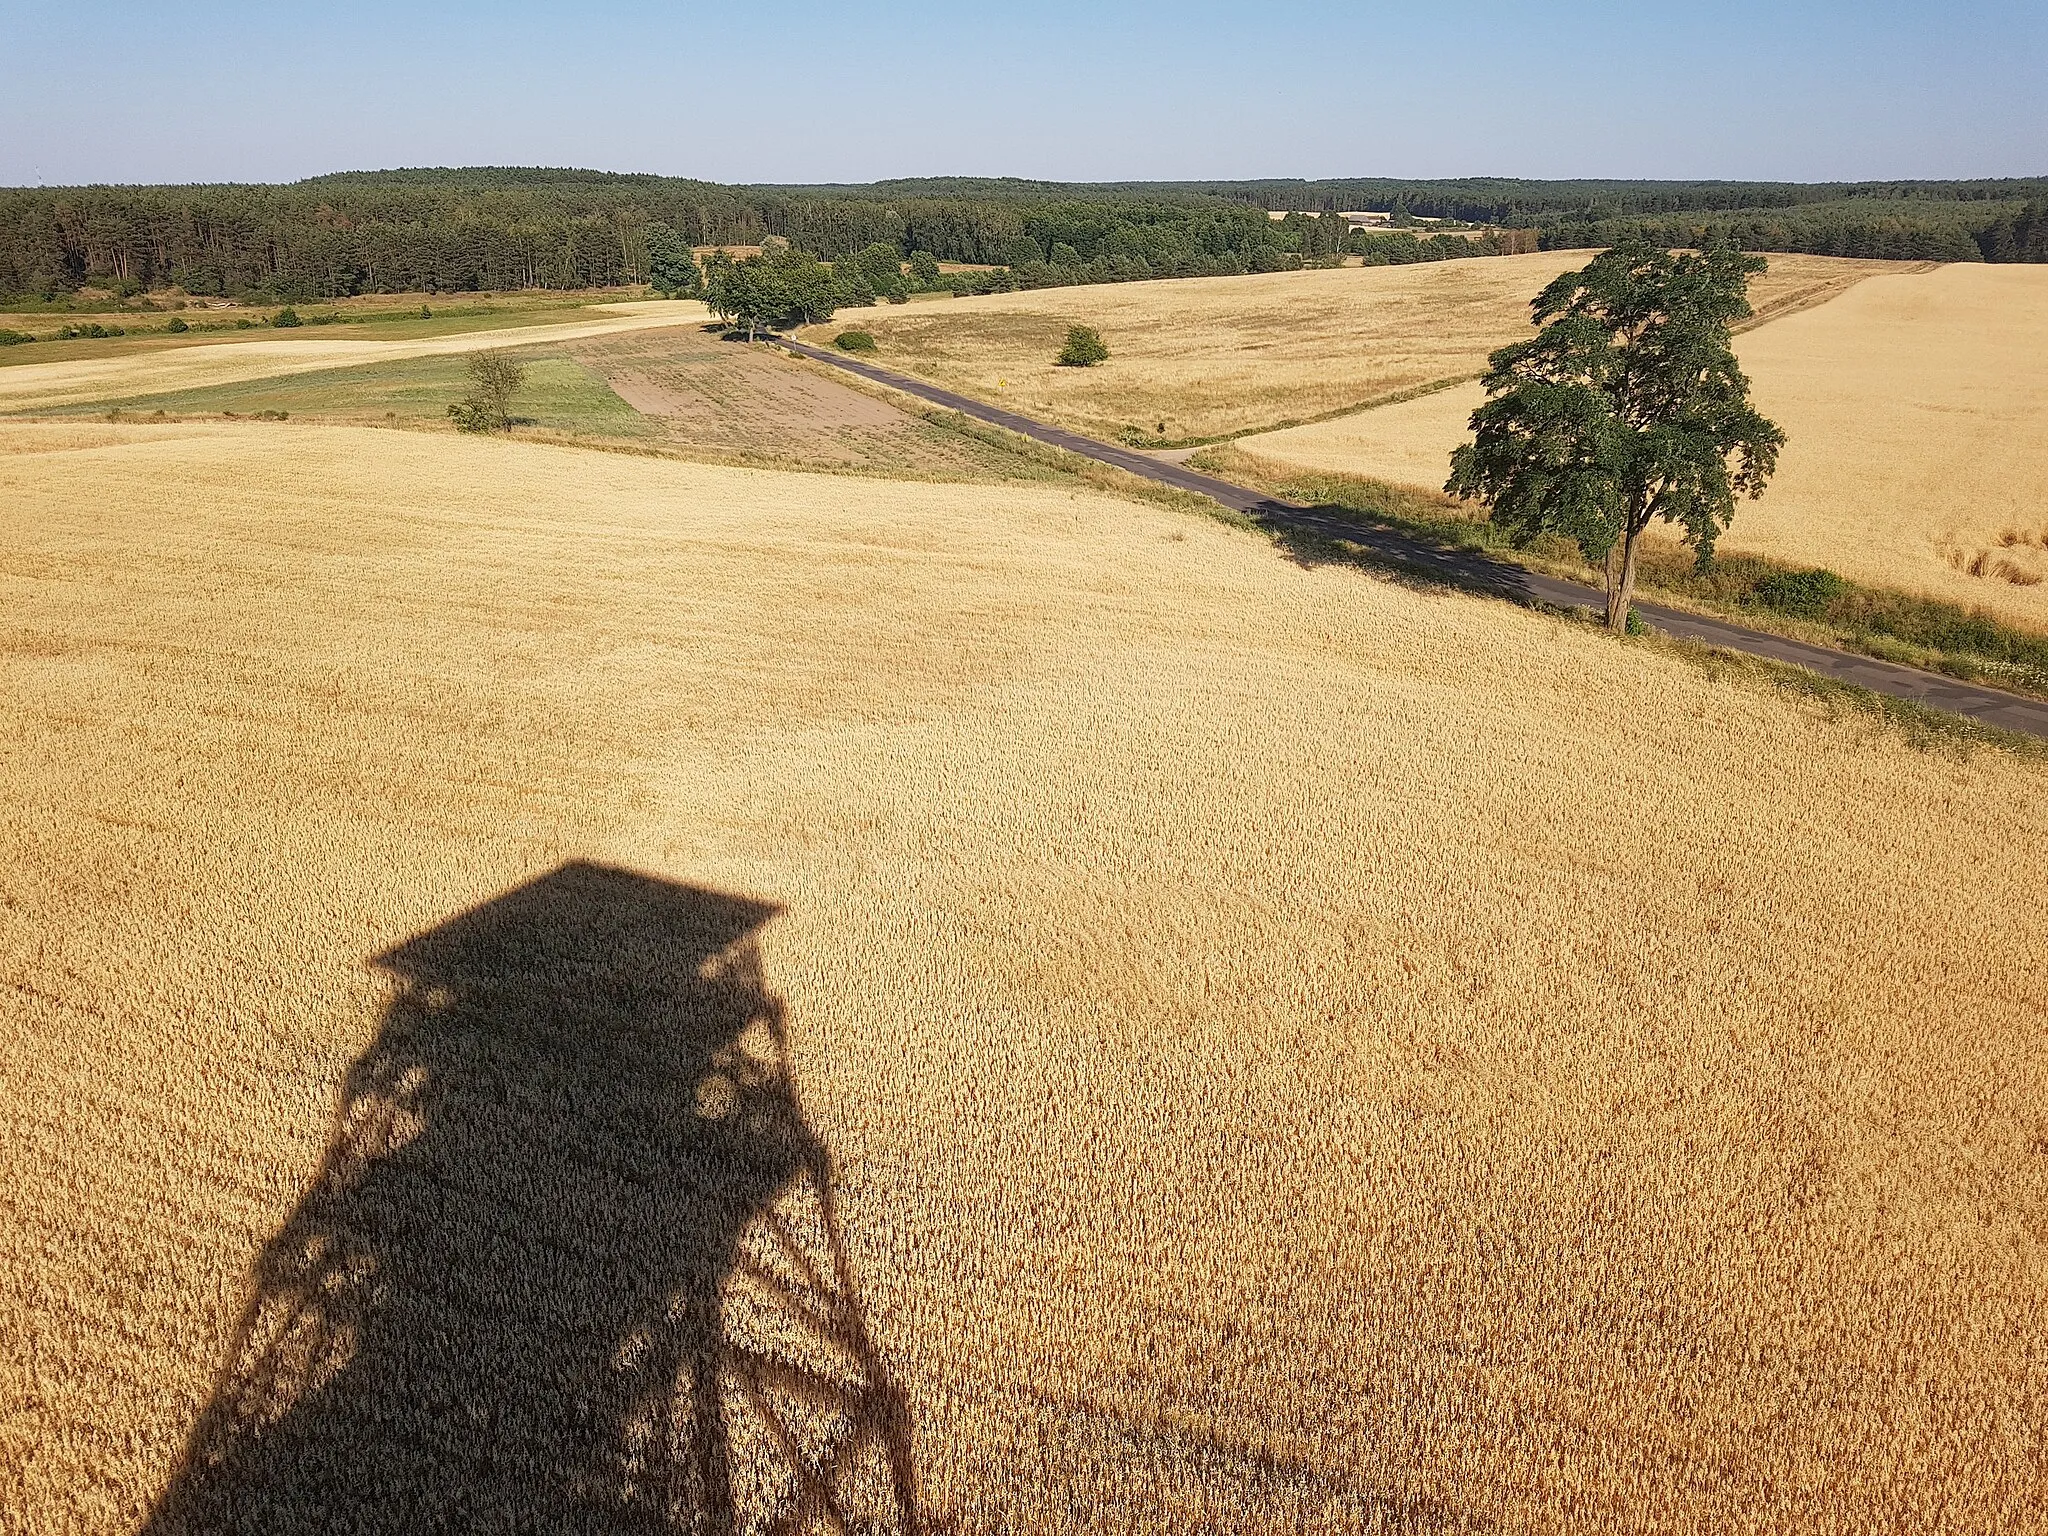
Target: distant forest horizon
(498,228)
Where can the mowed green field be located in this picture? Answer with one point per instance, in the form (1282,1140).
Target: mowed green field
(381,317)
(558,393)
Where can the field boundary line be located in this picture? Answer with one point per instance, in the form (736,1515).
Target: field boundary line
(1377,402)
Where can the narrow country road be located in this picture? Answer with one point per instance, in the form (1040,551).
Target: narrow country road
(1991,706)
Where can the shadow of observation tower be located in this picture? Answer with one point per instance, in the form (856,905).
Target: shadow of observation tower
(571,1261)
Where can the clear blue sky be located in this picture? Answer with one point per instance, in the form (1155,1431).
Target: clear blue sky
(804,91)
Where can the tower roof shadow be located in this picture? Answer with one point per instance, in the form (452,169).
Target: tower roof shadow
(578,922)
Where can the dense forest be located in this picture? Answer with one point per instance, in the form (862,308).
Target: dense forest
(509,228)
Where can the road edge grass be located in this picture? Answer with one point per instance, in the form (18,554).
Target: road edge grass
(1921,726)
(1870,622)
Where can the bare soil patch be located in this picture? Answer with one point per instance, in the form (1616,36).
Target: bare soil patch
(756,401)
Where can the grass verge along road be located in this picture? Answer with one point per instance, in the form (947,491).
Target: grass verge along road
(1988,706)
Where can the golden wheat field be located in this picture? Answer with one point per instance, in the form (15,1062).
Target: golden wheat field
(1206,357)
(199,364)
(1917,410)
(555,989)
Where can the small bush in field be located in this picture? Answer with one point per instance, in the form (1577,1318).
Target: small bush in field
(493,380)
(1084,348)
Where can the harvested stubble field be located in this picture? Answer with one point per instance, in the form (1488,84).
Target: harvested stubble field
(134,372)
(1917,411)
(1199,358)
(526,969)
(759,403)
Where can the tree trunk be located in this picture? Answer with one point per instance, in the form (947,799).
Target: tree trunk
(1621,578)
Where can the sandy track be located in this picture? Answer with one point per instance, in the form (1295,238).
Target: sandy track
(194,367)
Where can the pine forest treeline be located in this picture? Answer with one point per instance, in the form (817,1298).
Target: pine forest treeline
(499,229)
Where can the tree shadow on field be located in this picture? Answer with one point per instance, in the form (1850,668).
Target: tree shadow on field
(1339,536)
(571,1262)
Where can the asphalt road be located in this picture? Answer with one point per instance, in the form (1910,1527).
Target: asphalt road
(1992,706)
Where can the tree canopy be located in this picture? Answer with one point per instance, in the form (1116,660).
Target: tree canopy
(1627,406)
(780,286)
(1084,348)
(530,227)
(876,272)
(671,264)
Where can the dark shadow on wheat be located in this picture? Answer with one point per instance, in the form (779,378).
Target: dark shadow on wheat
(572,1260)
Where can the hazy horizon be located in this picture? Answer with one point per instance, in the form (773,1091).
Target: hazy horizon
(1113,181)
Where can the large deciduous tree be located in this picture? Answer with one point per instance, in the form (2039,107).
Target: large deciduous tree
(777,287)
(808,291)
(1626,406)
(873,273)
(671,264)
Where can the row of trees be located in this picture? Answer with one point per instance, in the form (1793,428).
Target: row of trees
(780,286)
(1515,204)
(1824,231)
(435,231)
(786,286)
(1885,228)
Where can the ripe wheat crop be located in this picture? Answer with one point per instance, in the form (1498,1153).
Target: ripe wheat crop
(1917,408)
(557,987)
(1207,357)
